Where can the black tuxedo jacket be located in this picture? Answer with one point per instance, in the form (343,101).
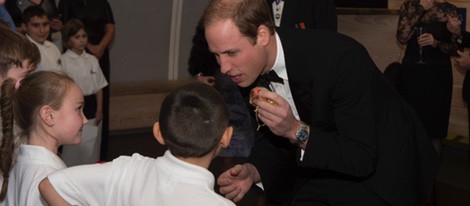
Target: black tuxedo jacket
(314,14)
(362,132)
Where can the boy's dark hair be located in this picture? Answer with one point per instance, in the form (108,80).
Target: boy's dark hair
(31,12)
(193,120)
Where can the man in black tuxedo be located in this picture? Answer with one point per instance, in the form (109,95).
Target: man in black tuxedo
(304,14)
(333,127)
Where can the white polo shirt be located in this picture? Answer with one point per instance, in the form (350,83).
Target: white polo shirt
(138,180)
(50,56)
(33,164)
(85,70)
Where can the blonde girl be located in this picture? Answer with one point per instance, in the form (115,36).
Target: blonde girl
(47,107)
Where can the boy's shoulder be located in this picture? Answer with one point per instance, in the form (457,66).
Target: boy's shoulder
(134,158)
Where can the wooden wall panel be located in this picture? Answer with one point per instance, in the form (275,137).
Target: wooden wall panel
(137,105)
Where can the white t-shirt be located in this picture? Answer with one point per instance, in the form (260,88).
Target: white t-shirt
(85,70)
(138,180)
(33,164)
(50,56)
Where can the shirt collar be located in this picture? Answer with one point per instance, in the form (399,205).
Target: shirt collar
(280,64)
(45,44)
(191,172)
(74,55)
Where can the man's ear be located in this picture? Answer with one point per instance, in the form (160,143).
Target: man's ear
(226,137)
(263,36)
(47,115)
(157,133)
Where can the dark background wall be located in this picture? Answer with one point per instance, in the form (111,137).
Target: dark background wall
(362,3)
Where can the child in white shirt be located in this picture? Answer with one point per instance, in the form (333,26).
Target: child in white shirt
(85,70)
(47,107)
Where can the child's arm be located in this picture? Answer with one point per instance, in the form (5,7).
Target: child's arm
(99,106)
(50,194)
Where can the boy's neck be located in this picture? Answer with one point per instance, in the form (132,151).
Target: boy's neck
(204,161)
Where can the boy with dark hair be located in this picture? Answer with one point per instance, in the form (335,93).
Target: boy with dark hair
(194,125)
(36,24)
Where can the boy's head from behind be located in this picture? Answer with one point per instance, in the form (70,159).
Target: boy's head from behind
(36,23)
(194,121)
(18,55)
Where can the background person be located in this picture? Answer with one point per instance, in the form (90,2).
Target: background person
(86,72)
(37,29)
(100,27)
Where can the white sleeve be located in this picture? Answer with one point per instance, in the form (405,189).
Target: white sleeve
(82,185)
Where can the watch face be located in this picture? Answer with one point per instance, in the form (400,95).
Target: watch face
(302,135)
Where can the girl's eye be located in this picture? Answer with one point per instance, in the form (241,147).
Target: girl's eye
(79,108)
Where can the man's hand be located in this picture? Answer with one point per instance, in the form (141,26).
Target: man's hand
(237,181)
(96,50)
(278,117)
(427,39)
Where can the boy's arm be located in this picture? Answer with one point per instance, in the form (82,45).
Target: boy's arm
(50,194)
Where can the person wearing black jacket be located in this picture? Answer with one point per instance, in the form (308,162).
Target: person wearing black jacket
(463,61)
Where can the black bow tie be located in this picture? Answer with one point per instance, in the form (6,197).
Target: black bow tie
(268,77)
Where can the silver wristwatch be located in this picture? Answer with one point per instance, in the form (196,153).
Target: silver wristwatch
(301,136)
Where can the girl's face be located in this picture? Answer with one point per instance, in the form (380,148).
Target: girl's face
(77,42)
(69,118)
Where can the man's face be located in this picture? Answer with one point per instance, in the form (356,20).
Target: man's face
(238,57)
(38,28)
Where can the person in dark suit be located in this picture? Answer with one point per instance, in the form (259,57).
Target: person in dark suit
(333,126)
(304,14)
(463,61)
